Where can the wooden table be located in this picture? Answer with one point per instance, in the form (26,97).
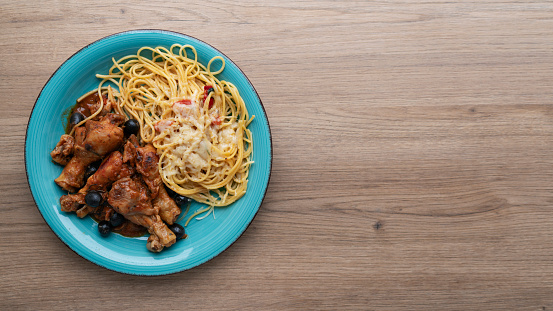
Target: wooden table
(412,156)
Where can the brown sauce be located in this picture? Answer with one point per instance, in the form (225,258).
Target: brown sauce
(130,229)
(87,106)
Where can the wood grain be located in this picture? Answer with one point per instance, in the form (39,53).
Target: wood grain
(412,156)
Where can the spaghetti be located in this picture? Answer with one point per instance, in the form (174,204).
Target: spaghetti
(197,123)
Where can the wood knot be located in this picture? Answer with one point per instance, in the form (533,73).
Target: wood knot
(378,225)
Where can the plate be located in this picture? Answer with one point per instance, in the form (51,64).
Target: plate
(206,238)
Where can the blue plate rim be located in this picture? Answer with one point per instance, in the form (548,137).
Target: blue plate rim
(162,31)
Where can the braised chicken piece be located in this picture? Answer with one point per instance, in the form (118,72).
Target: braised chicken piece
(71,178)
(129,197)
(155,226)
(72,202)
(63,151)
(146,161)
(129,152)
(104,136)
(80,135)
(168,209)
(96,140)
(147,165)
(85,210)
(111,170)
(108,105)
(142,157)
(153,244)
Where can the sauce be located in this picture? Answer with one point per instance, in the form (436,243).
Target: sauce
(130,230)
(87,106)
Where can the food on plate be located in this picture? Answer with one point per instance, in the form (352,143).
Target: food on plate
(159,130)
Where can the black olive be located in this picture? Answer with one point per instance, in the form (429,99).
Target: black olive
(76,118)
(131,127)
(181,199)
(93,198)
(90,170)
(170,192)
(104,228)
(116,220)
(177,229)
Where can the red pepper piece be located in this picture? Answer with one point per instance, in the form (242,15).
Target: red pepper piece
(208,89)
(183,102)
(217,120)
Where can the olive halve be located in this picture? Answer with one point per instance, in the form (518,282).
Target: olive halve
(116,219)
(177,229)
(90,170)
(131,127)
(93,199)
(76,118)
(170,192)
(181,199)
(104,227)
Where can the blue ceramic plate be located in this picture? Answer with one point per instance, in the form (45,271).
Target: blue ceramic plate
(206,238)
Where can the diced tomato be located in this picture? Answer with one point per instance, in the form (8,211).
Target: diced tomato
(183,102)
(183,107)
(208,89)
(217,120)
(161,125)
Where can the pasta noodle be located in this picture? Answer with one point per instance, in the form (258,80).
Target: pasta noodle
(197,123)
